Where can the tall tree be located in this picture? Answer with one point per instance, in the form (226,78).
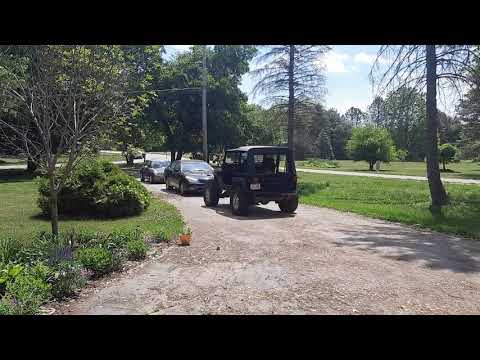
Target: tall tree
(340,132)
(426,67)
(291,77)
(376,112)
(405,118)
(142,65)
(449,128)
(469,112)
(176,111)
(355,116)
(64,96)
(263,126)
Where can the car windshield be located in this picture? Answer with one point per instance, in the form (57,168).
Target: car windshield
(196,167)
(160,164)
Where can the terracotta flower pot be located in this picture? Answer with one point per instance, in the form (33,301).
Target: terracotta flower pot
(185,239)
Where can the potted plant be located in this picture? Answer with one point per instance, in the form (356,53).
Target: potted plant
(186,237)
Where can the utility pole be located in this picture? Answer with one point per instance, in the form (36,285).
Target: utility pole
(204,105)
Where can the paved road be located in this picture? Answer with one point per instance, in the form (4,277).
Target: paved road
(318,261)
(399,177)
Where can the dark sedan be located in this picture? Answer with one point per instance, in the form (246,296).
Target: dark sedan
(188,175)
(153,171)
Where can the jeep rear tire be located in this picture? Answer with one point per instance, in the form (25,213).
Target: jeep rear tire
(239,203)
(210,196)
(288,205)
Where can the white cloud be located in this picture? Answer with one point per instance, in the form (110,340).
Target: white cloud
(364,58)
(182,48)
(335,62)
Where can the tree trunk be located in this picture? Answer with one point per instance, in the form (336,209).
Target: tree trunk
(291,101)
(371,163)
(129,160)
(437,191)
(179,155)
(172,156)
(53,205)
(444,168)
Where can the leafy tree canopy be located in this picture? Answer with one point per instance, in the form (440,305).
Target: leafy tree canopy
(370,144)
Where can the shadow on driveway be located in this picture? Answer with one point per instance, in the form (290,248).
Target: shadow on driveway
(255,212)
(437,251)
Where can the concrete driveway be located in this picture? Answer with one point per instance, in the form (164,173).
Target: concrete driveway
(318,261)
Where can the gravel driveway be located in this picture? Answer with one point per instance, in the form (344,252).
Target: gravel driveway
(318,261)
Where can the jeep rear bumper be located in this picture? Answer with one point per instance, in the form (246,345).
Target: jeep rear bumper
(269,196)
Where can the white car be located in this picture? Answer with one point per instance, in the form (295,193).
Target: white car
(153,171)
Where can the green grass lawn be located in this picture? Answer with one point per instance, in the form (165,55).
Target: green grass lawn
(464,170)
(101,156)
(111,157)
(395,200)
(19,214)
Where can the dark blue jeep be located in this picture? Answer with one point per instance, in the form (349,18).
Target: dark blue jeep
(252,175)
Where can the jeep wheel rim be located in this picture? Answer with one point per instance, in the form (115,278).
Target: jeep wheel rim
(236,201)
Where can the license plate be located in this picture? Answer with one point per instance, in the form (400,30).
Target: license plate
(254,186)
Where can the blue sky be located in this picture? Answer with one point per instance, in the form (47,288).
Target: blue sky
(347,70)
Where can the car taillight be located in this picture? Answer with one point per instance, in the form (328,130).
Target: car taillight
(254,180)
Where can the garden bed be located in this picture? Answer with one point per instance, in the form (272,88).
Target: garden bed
(102,249)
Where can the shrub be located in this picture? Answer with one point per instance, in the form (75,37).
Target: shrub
(99,260)
(137,250)
(84,237)
(8,273)
(371,144)
(470,151)
(119,238)
(80,190)
(97,188)
(27,292)
(66,279)
(447,154)
(400,154)
(46,247)
(116,240)
(123,196)
(162,236)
